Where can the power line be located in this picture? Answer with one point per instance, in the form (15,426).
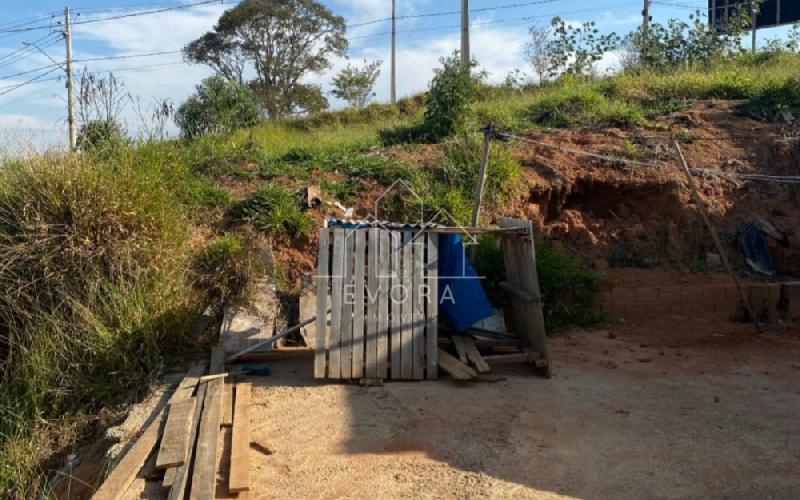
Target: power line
(28,82)
(115,17)
(502,21)
(129,56)
(451,13)
(27,50)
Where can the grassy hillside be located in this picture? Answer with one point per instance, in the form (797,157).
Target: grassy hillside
(106,258)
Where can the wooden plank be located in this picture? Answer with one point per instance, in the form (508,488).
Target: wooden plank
(172,451)
(418,330)
(432,325)
(348,296)
(454,367)
(239,479)
(358,304)
(227,406)
(383,304)
(516,357)
(117,483)
(461,349)
(176,478)
(407,310)
(372,305)
(187,386)
(474,356)
(395,300)
(337,286)
(320,346)
(204,475)
(519,254)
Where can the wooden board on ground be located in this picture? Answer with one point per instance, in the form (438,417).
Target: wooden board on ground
(461,349)
(239,479)
(125,471)
(474,356)
(204,476)
(227,406)
(454,367)
(176,478)
(187,386)
(172,451)
(519,254)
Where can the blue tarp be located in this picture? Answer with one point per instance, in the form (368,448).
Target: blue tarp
(462,301)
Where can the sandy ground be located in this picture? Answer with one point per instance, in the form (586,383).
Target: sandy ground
(715,415)
(680,408)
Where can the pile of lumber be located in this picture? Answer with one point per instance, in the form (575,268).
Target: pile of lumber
(465,361)
(184,437)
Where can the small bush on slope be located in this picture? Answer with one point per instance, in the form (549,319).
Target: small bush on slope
(275,210)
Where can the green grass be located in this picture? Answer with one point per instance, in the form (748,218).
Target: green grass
(273,209)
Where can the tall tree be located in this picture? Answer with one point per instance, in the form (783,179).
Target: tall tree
(281,41)
(537,51)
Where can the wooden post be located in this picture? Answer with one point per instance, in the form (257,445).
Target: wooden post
(465,56)
(723,255)
(476,207)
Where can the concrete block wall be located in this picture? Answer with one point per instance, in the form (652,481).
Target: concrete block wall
(714,301)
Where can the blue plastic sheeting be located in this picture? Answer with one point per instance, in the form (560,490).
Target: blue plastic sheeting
(755,247)
(462,301)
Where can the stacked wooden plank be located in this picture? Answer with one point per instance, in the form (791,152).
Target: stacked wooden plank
(381,287)
(188,430)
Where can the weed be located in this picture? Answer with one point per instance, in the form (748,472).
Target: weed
(226,267)
(623,254)
(274,210)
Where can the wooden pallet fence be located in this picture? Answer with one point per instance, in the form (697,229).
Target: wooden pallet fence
(381,286)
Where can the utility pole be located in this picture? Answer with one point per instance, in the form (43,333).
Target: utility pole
(73,135)
(645,28)
(394,52)
(465,59)
(754,20)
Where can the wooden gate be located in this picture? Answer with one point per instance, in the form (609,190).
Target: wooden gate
(381,288)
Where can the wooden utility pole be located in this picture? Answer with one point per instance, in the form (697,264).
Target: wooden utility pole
(465,58)
(701,207)
(394,51)
(488,130)
(73,134)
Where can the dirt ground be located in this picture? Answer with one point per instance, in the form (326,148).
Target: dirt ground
(631,413)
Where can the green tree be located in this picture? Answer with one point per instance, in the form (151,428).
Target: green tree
(574,49)
(355,85)
(218,106)
(453,88)
(281,41)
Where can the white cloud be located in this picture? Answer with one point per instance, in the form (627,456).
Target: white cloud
(22,122)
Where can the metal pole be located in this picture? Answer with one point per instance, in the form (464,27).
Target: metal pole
(394,52)
(73,134)
(476,207)
(465,57)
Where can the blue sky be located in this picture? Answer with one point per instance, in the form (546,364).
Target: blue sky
(37,112)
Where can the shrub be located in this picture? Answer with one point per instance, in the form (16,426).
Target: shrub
(568,288)
(275,210)
(100,133)
(453,89)
(218,106)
